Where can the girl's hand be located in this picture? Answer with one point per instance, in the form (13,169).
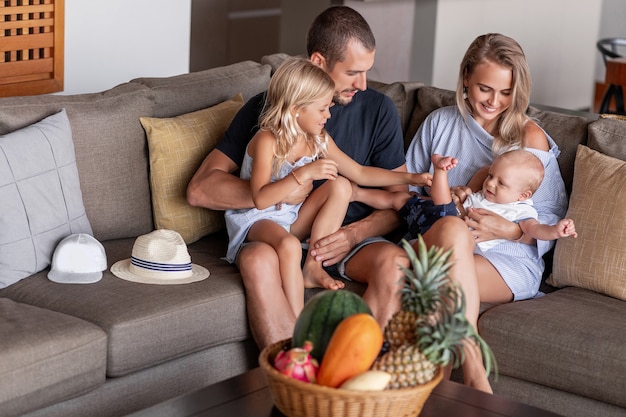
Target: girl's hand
(424,179)
(321,169)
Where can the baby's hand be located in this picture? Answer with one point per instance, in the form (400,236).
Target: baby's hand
(425,179)
(566,228)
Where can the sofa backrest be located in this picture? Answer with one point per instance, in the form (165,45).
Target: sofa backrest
(185,93)
(110,142)
(111,152)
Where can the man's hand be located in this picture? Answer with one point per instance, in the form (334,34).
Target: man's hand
(333,248)
(300,194)
(488,225)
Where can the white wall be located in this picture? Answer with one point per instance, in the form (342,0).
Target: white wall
(109,42)
(558,37)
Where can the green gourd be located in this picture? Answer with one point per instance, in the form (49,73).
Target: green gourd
(321,315)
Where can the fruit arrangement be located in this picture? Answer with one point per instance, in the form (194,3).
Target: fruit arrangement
(337,331)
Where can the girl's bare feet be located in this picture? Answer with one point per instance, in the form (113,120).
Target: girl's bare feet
(316,277)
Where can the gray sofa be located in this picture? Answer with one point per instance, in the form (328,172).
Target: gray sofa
(114,347)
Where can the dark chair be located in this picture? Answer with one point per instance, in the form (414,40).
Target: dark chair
(611,48)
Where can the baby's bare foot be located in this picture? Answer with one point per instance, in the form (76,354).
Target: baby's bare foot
(316,277)
(445,163)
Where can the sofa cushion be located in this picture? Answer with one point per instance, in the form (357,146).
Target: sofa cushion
(556,341)
(275,60)
(198,90)
(568,131)
(596,260)
(608,136)
(177,147)
(403,95)
(40,198)
(150,324)
(46,357)
(428,99)
(111,152)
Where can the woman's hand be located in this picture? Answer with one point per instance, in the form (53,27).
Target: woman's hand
(486,225)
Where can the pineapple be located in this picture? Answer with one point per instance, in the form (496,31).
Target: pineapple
(431,325)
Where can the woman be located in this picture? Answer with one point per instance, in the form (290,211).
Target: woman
(493,93)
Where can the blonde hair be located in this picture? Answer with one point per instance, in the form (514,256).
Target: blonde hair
(530,164)
(504,51)
(295,84)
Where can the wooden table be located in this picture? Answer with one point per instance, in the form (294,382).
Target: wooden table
(248,395)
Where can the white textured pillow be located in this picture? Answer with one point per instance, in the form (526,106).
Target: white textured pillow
(40,197)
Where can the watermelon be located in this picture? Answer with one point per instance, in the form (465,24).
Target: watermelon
(321,314)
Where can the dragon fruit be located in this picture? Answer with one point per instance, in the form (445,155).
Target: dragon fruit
(298,363)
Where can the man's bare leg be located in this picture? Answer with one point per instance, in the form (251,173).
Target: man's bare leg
(269,313)
(378,266)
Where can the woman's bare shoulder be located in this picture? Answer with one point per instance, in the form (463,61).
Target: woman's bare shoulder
(535,137)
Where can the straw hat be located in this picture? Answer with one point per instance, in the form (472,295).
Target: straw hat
(78,259)
(160,257)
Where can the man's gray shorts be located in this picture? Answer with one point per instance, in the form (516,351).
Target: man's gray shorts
(338,270)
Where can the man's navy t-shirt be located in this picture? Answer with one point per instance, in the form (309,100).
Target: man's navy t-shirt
(367,129)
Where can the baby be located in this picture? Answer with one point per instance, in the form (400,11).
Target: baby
(513,178)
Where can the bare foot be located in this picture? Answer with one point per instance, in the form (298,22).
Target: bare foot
(316,277)
(445,163)
(474,373)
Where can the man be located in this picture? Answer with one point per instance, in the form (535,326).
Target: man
(366,126)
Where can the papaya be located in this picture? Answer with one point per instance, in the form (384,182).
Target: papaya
(321,315)
(352,349)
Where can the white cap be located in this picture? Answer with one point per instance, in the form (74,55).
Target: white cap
(78,259)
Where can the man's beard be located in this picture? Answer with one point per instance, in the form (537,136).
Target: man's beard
(341,101)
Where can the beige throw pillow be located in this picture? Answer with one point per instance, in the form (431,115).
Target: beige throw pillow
(177,147)
(596,260)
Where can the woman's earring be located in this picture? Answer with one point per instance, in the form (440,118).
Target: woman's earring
(464,93)
(297,115)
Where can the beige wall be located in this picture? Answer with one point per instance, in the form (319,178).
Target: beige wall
(425,40)
(558,37)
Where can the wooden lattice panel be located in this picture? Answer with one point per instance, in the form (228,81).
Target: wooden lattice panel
(31,46)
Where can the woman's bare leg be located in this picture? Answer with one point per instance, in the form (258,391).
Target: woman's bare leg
(452,233)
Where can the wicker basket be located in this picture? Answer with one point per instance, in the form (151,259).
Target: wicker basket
(300,399)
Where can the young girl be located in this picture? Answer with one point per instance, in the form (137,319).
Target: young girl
(291,150)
